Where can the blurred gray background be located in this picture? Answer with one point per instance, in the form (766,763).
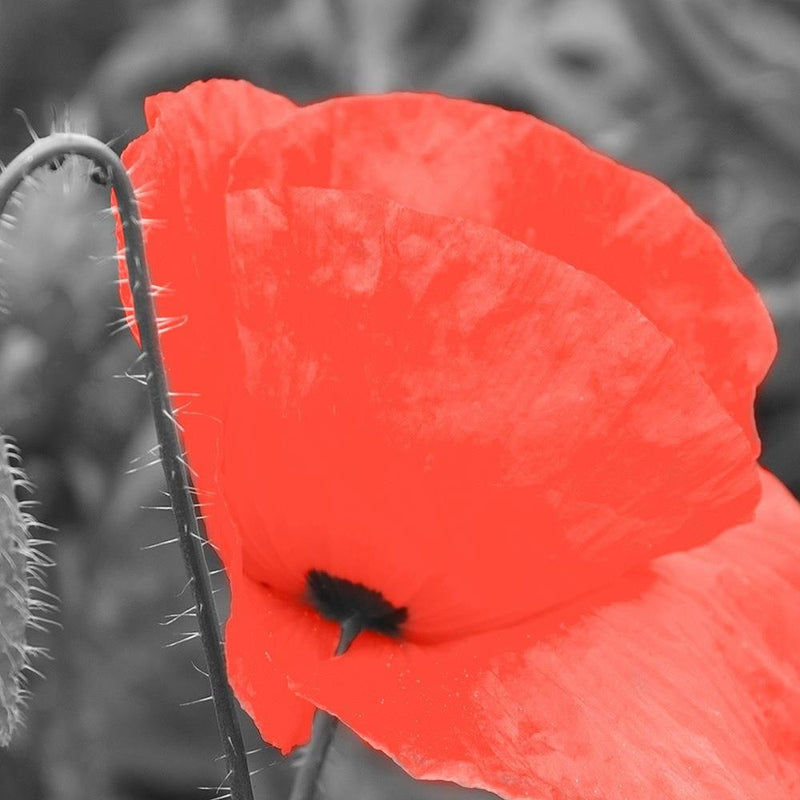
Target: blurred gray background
(704,94)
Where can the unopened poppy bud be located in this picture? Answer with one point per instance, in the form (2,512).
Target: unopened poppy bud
(15,607)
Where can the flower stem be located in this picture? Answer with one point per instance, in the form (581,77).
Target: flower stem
(305,785)
(173,458)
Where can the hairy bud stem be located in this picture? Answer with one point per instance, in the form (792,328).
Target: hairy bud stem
(42,152)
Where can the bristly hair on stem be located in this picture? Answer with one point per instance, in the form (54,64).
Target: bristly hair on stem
(42,152)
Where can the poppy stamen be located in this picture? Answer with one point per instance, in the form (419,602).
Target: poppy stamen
(354,606)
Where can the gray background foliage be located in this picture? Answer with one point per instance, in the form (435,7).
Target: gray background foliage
(704,94)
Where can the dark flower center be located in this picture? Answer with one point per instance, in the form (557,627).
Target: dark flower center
(343,601)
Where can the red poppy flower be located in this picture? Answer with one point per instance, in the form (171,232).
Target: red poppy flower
(445,356)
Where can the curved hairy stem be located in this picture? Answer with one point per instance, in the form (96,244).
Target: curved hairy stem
(42,152)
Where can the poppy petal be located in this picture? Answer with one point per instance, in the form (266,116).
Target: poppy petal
(180,169)
(472,428)
(250,634)
(681,681)
(537,184)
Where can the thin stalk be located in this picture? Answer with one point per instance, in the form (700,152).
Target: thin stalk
(173,458)
(305,784)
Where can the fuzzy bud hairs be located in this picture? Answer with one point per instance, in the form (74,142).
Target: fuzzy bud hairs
(20,573)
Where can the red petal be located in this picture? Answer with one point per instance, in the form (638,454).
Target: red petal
(180,169)
(250,635)
(681,682)
(537,184)
(472,428)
